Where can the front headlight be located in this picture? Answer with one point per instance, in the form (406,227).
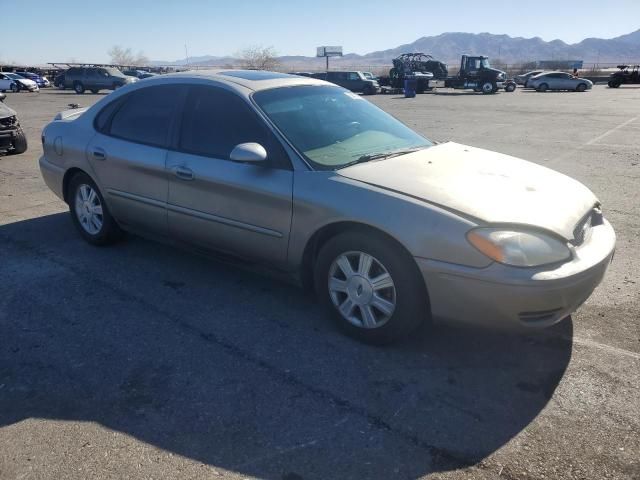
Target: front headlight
(518,248)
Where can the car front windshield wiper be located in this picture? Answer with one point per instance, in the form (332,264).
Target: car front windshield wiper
(382,155)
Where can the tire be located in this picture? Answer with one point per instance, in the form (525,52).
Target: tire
(94,90)
(405,300)
(614,83)
(581,87)
(78,87)
(510,88)
(97,229)
(543,87)
(488,87)
(14,87)
(19,143)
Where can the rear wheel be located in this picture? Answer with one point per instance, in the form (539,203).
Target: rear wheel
(90,213)
(78,87)
(94,90)
(543,87)
(19,143)
(371,286)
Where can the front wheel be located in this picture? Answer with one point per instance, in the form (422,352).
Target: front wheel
(14,87)
(89,212)
(488,87)
(581,87)
(543,87)
(371,286)
(19,143)
(510,88)
(78,88)
(614,83)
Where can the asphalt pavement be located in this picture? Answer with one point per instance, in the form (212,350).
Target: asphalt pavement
(143,361)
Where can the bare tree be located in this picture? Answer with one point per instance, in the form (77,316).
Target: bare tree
(258,57)
(125,56)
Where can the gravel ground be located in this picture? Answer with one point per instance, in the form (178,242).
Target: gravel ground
(143,361)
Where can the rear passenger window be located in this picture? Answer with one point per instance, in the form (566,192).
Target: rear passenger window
(145,116)
(215,121)
(103,119)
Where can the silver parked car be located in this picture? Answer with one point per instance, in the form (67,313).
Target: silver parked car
(390,228)
(558,81)
(522,78)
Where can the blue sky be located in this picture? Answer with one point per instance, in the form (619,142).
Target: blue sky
(84,31)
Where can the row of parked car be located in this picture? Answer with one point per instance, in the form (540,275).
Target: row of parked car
(360,82)
(17,81)
(76,78)
(367,83)
(542,81)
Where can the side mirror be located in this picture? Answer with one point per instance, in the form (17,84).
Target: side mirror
(248,152)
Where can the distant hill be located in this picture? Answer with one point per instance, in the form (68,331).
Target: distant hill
(448,47)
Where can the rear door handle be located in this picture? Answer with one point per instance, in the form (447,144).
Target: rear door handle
(99,153)
(183,173)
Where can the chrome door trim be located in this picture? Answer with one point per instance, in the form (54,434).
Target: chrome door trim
(223,220)
(136,198)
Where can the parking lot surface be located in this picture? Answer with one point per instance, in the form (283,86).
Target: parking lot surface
(143,361)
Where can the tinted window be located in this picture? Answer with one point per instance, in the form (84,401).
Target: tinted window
(145,115)
(103,119)
(215,121)
(354,76)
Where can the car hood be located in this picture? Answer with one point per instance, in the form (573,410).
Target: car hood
(489,187)
(6,111)
(26,81)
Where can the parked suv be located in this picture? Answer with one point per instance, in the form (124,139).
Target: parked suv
(354,81)
(95,79)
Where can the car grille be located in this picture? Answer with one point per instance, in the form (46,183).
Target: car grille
(8,122)
(581,230)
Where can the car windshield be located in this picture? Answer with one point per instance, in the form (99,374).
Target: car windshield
(114,72)
(15,76)
(333,127)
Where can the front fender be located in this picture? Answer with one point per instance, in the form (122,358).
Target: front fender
(427,231)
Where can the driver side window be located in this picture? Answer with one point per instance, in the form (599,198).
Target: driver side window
(216,120)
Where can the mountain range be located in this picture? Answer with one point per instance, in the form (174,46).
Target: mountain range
(448,47)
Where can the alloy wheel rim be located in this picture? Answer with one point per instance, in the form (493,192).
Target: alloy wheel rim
(487,87)
(89,209)
(362,290)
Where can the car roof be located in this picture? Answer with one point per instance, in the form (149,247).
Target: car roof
(252,79)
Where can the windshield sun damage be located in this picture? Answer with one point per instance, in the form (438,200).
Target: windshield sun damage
(333,127)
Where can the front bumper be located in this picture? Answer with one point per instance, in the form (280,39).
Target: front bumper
(503,296)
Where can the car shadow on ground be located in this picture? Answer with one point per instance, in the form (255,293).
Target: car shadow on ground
(242,372)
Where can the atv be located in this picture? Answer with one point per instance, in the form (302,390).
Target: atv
(13,141)
(627,74)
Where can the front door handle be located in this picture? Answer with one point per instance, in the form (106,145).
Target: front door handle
(98,153)
(183,173)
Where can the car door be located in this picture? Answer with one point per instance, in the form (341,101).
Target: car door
(356,82)
(128,154)
(5,82)
(240,208)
